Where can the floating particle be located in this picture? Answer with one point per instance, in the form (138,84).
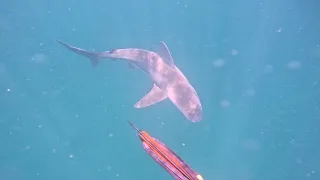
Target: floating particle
(279,30)
(294,65)
(250,92)
(251,144)
(224,103)
(39,57)
(109,168)
(298,161)
(316,51)
(218,63)
(234,52)
(2,68)
(268,69)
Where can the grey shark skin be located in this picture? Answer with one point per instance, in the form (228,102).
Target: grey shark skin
(169,81)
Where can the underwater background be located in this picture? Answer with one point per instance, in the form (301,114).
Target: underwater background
(254,64)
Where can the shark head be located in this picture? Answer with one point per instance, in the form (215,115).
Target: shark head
(194,114)
(185,98)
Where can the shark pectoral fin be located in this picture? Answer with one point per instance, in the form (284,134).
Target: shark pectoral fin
(154,96)
(164,52)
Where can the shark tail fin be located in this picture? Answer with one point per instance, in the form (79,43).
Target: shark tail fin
(93,56)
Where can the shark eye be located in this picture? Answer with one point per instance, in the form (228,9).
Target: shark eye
(112,51)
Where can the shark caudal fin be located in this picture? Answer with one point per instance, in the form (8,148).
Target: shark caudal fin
(93,56)
(154,96)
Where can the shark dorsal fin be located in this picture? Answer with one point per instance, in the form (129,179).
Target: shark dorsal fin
(164,52)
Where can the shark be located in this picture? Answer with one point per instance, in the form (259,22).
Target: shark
(168,80)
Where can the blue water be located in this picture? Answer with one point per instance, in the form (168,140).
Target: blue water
(254,64)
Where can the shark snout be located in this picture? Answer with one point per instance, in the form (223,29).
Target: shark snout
(195,115)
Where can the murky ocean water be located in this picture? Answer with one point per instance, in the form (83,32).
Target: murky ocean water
(254,64)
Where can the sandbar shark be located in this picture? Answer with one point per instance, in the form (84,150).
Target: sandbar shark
(169,81)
